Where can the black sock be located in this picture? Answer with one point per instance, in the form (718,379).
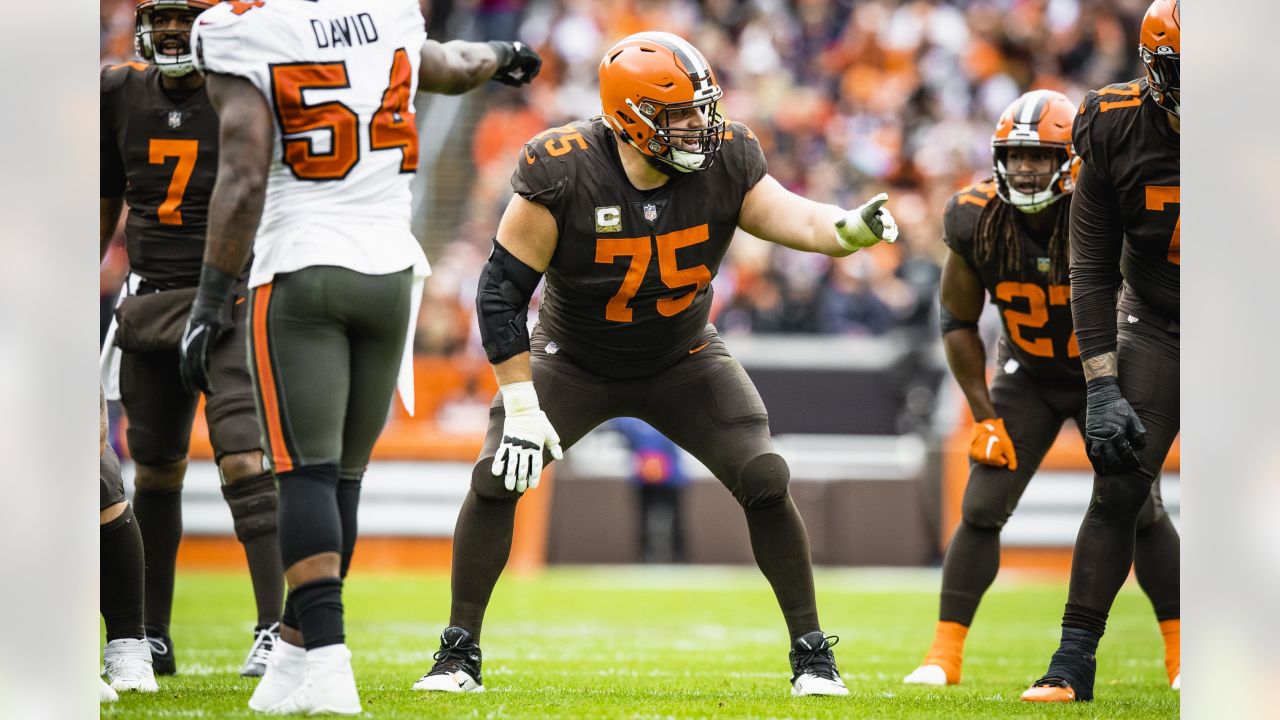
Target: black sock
(254,513)
(120,589)
(1076,659)
(159,515)
(319,608)
(781,549)
(1104,549)
(1155,561)
(481,546)
(348,504)
(970,566)
(289,618)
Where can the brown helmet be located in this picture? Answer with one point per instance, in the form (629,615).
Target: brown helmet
(1042,119)
(1159,46)
(646,76)
(144,44)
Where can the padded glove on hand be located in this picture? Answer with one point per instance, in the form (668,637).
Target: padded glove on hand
(991,444)
(1113,433)
(525,432)
(867,225)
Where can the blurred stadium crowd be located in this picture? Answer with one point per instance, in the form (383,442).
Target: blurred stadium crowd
(848,97)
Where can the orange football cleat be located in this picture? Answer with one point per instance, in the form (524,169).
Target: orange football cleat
(1049,693)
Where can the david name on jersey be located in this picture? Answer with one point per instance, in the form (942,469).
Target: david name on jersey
(349,31)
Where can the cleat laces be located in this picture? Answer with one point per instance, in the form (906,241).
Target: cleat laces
(818,661)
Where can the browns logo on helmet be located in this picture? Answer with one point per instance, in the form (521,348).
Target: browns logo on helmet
(1159,46)
(659,95)
(149,43)
(1037,119)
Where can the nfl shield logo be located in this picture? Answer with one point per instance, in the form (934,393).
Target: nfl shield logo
(650,212)
(175,118)
(1042,264)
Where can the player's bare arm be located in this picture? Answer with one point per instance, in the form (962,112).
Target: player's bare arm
(109,210)
(245,142)
(961,299)
(457,66)
(773,213)
(235,209)
(1103,365)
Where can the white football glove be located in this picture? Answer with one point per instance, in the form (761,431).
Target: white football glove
(867,225)
(525,432)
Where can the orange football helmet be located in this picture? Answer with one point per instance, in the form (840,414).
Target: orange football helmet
(144,40)
(1041,119)
(647,77)
(1159,46)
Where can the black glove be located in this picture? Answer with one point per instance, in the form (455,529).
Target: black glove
(518,64)
(204,326)
(1113,433)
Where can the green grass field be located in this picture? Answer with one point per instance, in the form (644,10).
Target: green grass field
(664,643)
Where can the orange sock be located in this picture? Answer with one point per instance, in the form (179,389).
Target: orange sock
(1172,632)
(947,649)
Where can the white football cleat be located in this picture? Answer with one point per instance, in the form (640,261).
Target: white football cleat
(329,685)
(128,665)
(263,641)
(927,675)
(106,694)
(456,681)
(457,667)
(815,685)
(1177,682)
(286,668)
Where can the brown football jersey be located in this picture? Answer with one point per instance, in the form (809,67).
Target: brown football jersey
(1034,312)
(162,156)
(628,290)
(1126,215)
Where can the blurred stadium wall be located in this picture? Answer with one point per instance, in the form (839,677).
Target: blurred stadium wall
(848,98)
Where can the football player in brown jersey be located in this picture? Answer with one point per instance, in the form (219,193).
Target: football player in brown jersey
(1009,239)
(628,216)
(1125,235)
(159,152)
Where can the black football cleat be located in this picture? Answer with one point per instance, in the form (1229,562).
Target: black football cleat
(1069,679)
(162,654)
(457,667)
(813,666)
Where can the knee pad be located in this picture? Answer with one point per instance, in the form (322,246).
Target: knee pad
(254,509)
(763,482)
(309,520)
(489,486)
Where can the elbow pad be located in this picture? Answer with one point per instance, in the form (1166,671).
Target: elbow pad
(502,304)
(949,322)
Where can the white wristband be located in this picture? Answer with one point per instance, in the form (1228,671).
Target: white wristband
(519,398)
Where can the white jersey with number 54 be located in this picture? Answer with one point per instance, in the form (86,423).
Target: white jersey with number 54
(340,78)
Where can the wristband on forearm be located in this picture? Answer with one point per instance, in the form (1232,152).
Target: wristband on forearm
(213,292)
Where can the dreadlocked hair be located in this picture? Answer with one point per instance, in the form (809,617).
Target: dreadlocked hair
(996,240)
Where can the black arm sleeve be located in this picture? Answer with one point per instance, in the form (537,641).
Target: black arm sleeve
(1097,237)
(502,304)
